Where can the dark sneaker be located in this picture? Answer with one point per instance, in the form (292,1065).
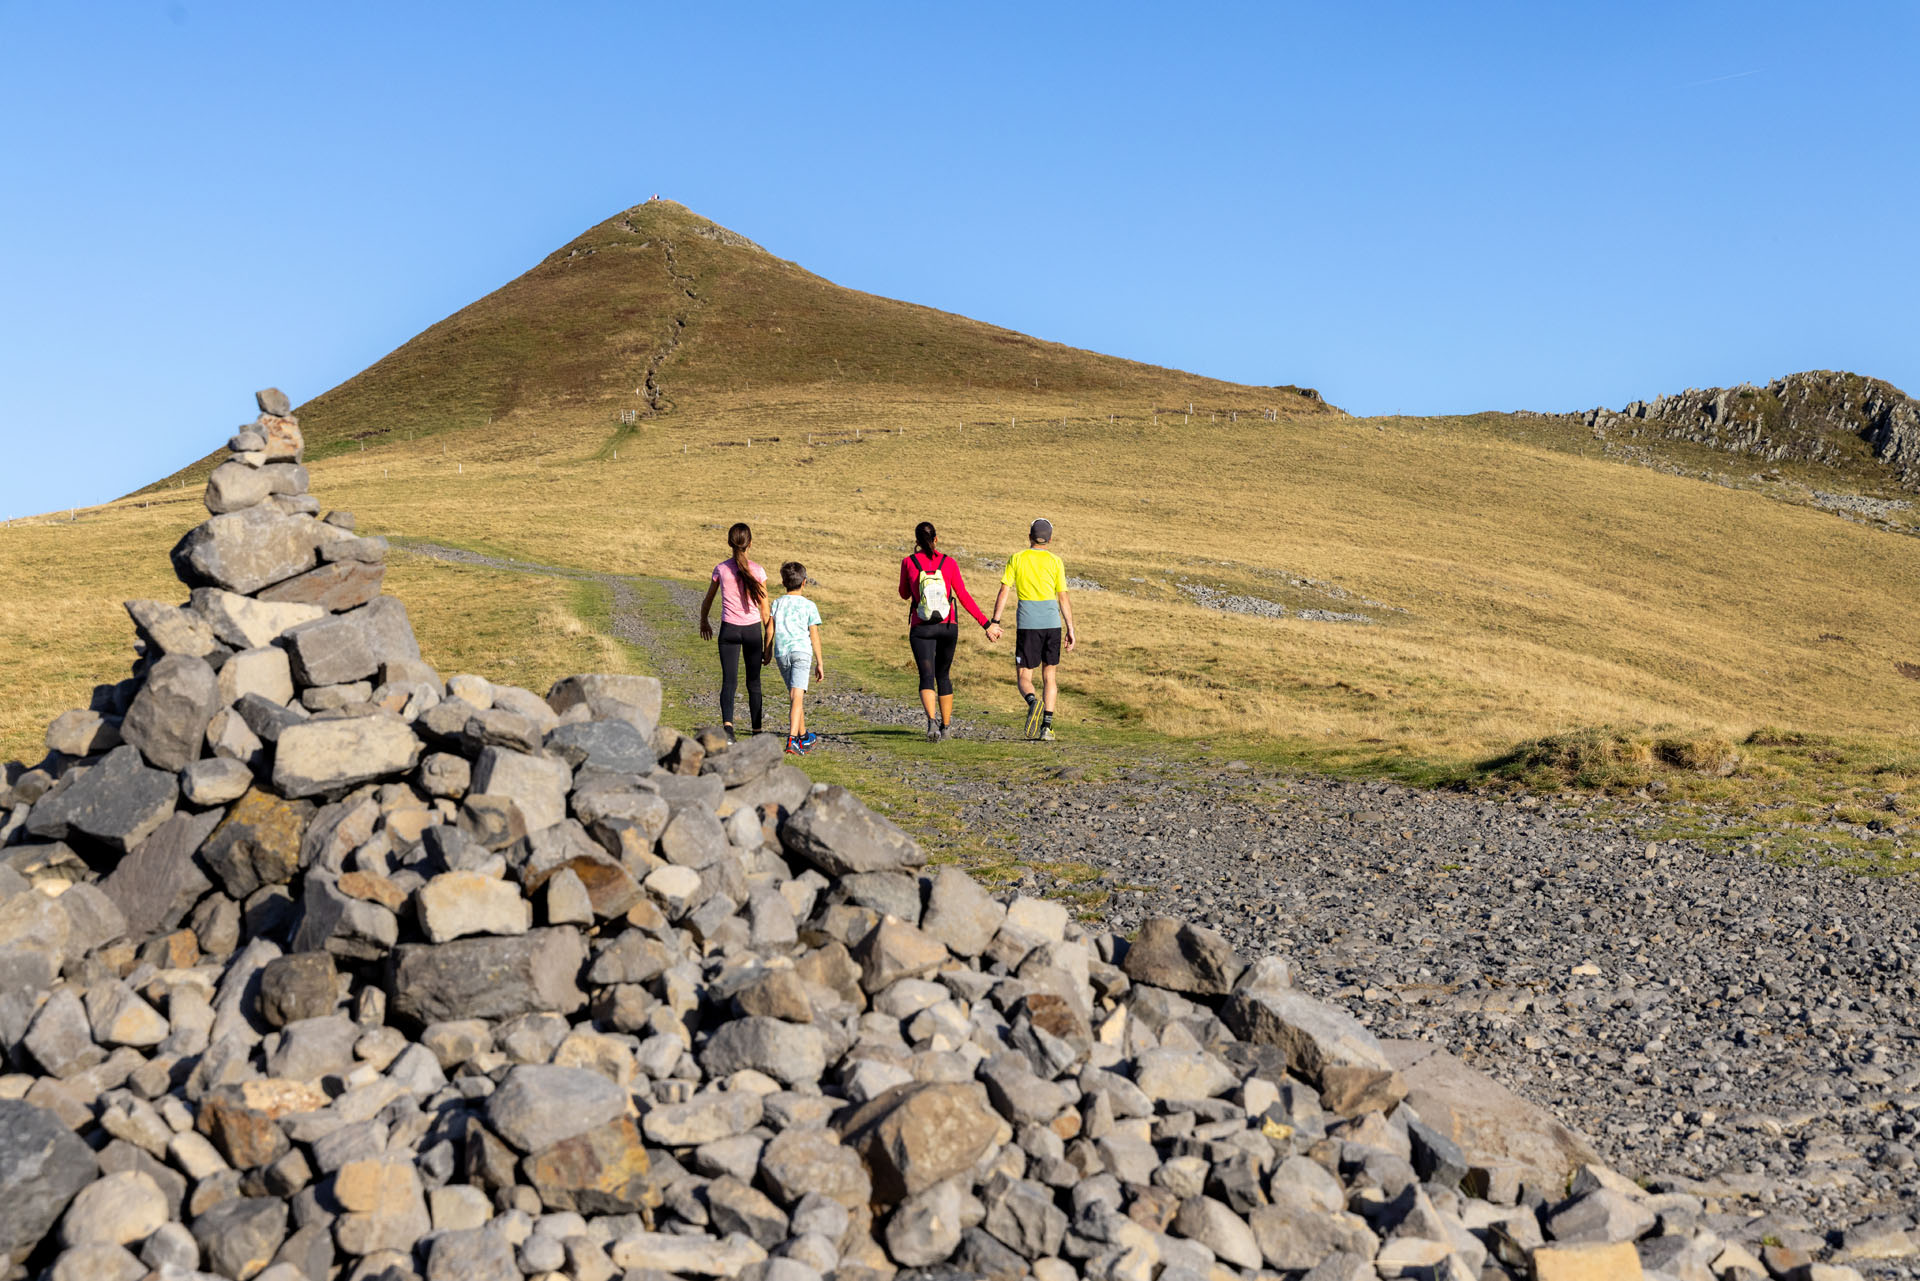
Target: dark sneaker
(945,730)
(933,730)
(1034,712)
(795,747)
(807,740)
(728,731)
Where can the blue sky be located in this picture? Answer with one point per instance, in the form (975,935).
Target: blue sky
(1415,207)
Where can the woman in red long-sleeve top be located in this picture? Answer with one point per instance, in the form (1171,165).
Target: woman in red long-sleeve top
(930,582)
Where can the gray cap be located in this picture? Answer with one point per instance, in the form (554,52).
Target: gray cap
(1041,531)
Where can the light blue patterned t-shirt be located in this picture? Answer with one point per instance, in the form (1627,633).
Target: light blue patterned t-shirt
(792,616)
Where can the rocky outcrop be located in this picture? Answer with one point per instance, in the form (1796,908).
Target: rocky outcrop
(1820,416)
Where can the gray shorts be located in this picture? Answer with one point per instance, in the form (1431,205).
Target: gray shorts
(795,667)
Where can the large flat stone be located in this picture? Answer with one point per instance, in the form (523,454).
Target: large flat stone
(157,884)
(264,671)
(1182,958)
(169,629)
(341,585)
(319,757)
(82,732)
(389,632)
(837,834)
(610,698)
(537,784)
(614,746)
(118,802)
(961,914)
(234,486)
(539,1105)
(915,1136)
(1313,1035)
(603,1170)
(333,650)
(244,551)
(246,623)
(456,904)
(489,978)
(1488,1122)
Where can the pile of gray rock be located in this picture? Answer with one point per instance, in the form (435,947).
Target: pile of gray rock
(314,964)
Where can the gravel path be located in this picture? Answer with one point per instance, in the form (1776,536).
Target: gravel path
(1717,1023)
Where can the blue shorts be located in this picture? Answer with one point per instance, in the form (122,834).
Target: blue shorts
(795,667)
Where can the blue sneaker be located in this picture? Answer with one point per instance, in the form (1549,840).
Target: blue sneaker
(808,739)
(795,747)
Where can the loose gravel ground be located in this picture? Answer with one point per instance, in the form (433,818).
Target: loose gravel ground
(1721,1024)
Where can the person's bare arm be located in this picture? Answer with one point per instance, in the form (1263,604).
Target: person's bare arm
(819,658)
(999,601)
(706,625)
(1066,615)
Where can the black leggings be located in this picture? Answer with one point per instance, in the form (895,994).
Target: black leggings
(737,640)
(933,646)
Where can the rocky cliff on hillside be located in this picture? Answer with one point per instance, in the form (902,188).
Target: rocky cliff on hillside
(1820,416)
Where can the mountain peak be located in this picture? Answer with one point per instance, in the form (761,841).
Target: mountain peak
(661,312)
(652,220)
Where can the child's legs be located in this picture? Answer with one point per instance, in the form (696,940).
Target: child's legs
(729,675)
(796,713)
(750,652)
(1051,678)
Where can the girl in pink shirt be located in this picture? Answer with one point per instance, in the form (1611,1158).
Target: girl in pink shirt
(745,623)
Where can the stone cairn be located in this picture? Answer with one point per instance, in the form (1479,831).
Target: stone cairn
(314,965)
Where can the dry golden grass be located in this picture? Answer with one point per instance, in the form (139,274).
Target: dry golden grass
(68,632)
(1520,592)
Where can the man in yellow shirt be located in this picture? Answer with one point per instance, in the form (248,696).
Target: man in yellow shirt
(1038,579)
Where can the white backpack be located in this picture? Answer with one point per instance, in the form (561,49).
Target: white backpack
(930,593)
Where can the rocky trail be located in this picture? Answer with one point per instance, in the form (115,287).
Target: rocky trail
(1720,1025)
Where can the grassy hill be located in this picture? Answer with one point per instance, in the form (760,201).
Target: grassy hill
(1465,598)
(658,310)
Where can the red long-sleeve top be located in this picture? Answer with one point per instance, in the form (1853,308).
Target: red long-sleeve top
(956,586)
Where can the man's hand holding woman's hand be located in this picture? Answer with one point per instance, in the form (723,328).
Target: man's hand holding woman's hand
(993,632)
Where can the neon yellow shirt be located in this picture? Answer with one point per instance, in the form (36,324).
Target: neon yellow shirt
(1037,577)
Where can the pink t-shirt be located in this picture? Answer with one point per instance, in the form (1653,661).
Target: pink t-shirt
(735,605)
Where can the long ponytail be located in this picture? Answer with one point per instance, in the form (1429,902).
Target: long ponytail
(739,538)
(923,536)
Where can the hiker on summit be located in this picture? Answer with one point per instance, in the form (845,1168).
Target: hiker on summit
(1038,578)
(930,582)
(745,625)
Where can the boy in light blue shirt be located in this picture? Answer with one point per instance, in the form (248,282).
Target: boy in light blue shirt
(796,651)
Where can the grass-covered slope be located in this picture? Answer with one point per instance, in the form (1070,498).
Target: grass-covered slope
(1452,588)
(659,311)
